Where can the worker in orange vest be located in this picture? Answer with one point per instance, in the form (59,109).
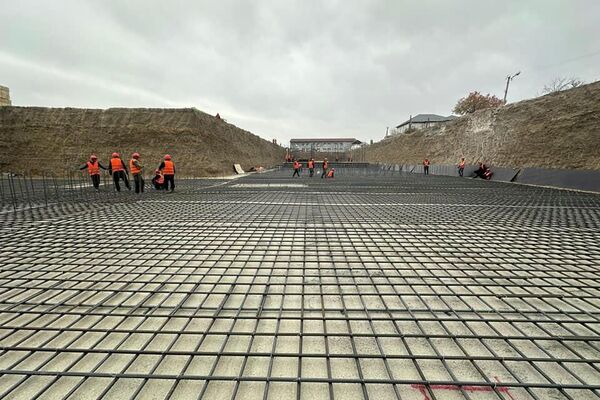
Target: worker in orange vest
(325,166)
(311,167)
(461,167)
(93,166)
(296,169)
(118,170)
(135,166)
(426,166)
(331,173)
(159,180)
(167,167)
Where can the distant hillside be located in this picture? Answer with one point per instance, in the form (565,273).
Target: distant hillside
(39,139)
(559,130)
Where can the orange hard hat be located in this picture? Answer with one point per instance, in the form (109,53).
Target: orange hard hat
(167,157)
(136,155)
(115,155)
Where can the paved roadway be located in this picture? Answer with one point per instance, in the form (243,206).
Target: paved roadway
(370,285)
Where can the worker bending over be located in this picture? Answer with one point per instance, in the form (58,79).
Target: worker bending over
(167,167)
(118,170)
(331,173)
(296,169)
(483,172)
(159,180)
(135,166)
(93,166)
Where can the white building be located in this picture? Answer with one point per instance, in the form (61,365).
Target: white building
(422,121)
(4,96)
(321,145)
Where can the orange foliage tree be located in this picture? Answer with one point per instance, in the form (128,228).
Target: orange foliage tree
(476,101)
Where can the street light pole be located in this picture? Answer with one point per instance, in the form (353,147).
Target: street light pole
(508,79)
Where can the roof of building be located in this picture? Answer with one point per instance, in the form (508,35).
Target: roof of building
(352,140)
(422,118)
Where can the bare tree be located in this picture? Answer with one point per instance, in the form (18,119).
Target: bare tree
(560,84)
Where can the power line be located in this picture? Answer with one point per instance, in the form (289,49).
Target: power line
(544,67)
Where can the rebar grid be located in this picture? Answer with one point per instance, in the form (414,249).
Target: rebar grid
(371,285)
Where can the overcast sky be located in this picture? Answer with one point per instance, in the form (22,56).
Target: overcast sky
(285,69)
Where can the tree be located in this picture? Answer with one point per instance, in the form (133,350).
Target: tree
(476,101)
(560,84)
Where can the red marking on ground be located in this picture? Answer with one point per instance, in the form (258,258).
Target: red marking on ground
(467,388)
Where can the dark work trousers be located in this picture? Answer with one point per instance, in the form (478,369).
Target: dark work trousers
(426,169)
(461,171)
(96,181)
(117,176)
(296,172)
(138,179)
(324,173)
(170,178)
(311,172)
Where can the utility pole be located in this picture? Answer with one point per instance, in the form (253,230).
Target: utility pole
(508,79)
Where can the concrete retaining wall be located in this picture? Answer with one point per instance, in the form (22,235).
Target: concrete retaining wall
(559,178)
(563,178)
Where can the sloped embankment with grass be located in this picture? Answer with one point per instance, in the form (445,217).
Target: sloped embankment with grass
(37,139)
(559,130)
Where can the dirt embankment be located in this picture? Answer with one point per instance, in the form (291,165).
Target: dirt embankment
(36,139)
(559,130)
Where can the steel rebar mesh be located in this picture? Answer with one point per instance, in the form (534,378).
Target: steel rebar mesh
(374,284)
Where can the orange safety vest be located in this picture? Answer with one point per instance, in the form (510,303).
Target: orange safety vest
(330,174)
(161,179)
(134,170)
(311,164)
(325,164)
(93,168)
(116,164)
(296,165)
(426,163)
(169,168)
(461,164)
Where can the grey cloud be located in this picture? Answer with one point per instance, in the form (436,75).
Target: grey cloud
(291,68)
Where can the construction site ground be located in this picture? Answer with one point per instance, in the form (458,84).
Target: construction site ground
(373,285)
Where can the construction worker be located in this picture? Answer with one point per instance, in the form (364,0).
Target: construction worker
(325,166)
(426,166)
(331,173)
(167,167)
(118,170)
(311,167)
(296,169)
(159,180)
(135,166)
(483,172)
(93,166)
(461,167)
